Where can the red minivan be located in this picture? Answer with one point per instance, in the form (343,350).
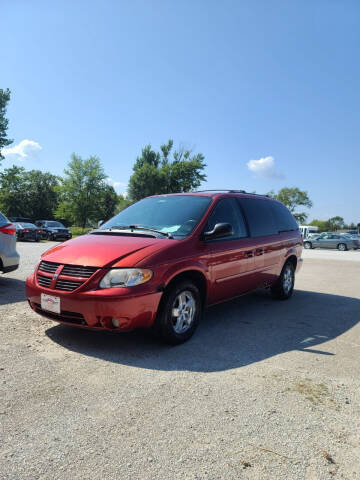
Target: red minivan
(159,262)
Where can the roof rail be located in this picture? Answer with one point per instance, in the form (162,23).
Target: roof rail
(231,191)
(220,190)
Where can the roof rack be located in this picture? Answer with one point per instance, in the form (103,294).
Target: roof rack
(231,191)
(221,190)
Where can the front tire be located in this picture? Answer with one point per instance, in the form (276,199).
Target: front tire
(284,287)
(342,247)
(308,245)
(179,313)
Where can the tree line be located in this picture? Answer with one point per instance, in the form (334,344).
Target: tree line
(82,195)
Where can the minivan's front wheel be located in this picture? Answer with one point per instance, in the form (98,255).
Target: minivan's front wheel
(284,287)
(180,313)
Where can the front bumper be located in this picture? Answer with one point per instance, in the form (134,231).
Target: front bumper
(96,309)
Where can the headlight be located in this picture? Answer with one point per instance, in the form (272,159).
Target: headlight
(125,277)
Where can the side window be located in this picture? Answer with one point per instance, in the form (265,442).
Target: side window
(283,218)
(259,215)
(228,211)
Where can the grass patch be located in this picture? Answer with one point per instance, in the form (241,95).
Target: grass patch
(77,231)
(316,393)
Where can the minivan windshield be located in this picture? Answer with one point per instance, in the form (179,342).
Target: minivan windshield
(177,215)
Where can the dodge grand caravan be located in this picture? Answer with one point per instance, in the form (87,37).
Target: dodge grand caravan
(159,262)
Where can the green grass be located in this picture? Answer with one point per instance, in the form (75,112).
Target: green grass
(77,231)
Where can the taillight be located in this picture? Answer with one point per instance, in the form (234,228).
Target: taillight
(9,229)
(25,230)
(40,231)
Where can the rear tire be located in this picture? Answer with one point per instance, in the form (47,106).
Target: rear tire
(179,313)
(284,287)
(308,245)
(342,247)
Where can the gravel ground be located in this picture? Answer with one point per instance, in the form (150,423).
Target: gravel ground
(265,389)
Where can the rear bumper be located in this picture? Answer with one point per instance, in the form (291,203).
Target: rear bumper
(93,309)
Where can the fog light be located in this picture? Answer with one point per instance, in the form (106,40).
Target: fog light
(115,322)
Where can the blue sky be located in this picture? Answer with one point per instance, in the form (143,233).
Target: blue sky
(276,81)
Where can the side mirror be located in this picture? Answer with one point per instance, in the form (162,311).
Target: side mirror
(221,230)
(100,222)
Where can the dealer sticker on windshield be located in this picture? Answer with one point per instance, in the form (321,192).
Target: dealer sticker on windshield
(50,303)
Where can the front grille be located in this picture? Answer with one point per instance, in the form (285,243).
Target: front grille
(64,316)
(48,267)
(63,282)
(78,271)
(44,281)
(67,285)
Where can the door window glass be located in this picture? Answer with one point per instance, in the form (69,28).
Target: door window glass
(259,215)
(228,211)
(283,218)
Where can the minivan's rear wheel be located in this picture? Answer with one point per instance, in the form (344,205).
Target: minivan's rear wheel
(307,245)
(179,313)
(284,287)
(342,247)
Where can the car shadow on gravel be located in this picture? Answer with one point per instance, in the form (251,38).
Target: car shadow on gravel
(234,334)
(12,290)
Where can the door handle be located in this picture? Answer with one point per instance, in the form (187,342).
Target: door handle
(259,251)
(249,253)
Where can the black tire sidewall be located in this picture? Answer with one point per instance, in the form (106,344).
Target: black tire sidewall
(278,291)
(165,327)
(307,247)
(342,249)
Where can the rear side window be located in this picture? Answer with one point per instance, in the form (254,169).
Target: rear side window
(283,218)
(3,219)
(228,211)
(260,217)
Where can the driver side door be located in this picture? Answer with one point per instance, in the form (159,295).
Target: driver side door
(231,258)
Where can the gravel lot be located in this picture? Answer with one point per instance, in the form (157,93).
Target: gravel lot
(265,390)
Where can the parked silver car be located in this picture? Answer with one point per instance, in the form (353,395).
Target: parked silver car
(333,240)
(9,258)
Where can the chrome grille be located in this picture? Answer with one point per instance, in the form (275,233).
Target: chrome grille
(78,271)
(67,285)
(44,281)
(48,267)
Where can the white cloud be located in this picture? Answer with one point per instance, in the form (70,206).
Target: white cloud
(115,184)
(264,167)
(23,149)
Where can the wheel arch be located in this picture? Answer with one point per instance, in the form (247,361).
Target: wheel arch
(196,276)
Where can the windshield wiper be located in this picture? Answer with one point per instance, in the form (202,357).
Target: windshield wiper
(140,227)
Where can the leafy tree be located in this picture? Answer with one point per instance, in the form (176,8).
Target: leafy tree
(336,223)
(323,225)
(28,193)
(294,198)
(4,141)
(166,171)
(122,203)
(41,194)
(82,191)
(108,202)
(12,198)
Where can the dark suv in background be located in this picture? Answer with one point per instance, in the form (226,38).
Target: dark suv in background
(53,230)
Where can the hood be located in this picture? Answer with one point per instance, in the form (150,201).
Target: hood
(101,250)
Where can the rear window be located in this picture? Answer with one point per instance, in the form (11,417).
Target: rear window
(3,219)
(28,225)
(283,218)
(259,216)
